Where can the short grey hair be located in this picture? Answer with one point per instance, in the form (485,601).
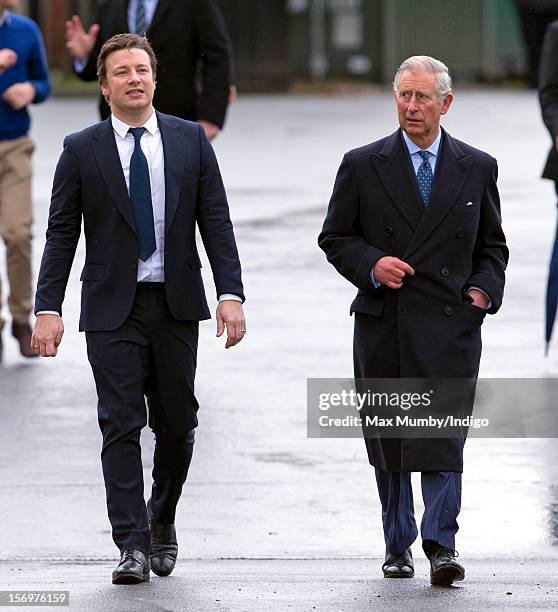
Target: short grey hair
(429,64)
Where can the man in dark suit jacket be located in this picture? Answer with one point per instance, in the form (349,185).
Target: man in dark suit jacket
(140,181)
(183,34)
(414,223)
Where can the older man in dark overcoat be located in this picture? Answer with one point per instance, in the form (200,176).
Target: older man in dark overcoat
(414,223)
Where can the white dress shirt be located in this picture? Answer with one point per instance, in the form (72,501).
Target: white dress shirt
(151,270)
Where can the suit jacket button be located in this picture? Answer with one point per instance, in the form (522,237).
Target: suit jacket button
(388,231)
(444,271)
(134,266)
(459,232)
(401,309)
(448,310)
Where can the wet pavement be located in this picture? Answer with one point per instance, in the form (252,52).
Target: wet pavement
(270,519)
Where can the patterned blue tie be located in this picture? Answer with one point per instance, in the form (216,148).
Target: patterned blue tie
(424,177)
(140,194)
(141,22)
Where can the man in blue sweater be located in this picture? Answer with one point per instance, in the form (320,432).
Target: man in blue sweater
(23,80)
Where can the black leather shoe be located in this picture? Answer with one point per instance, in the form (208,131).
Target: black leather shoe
(399,566)
(444,569)
(132,569)
(164,548)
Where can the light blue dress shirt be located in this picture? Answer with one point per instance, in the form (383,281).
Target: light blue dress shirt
(150,6)
(416,157)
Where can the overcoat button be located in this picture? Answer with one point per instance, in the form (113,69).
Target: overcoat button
(401,309)
(388,231)
(448,310)
(134,266)
(444,271)
(459,232)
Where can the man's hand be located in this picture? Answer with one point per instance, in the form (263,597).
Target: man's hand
(479,298)
(7,59)
(19,95)
(79,42)
(210,129)
(230,313)
(47,335)
(390,271)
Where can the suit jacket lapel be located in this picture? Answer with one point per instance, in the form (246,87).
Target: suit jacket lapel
(174,153)
(160,10)
(108,160)
(451,171)
(396,173)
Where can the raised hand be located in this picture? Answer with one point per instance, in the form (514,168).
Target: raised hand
(79,42)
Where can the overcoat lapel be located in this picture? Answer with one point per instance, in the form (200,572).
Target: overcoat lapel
(174,154)
(394,170)
(108,160)
(450,174)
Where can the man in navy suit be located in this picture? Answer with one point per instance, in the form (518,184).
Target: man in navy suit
(414,223)
(140,181)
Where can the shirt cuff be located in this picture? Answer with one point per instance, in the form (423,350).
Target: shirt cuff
(229,296)
(79,65)
(489,305)
(52,312)
(373,280)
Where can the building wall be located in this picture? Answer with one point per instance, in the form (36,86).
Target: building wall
(278,41)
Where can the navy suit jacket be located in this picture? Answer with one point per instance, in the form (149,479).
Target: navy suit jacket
(89,184)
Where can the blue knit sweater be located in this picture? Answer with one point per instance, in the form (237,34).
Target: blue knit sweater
(22,36)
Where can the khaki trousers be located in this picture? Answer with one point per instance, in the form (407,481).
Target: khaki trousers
(15,223)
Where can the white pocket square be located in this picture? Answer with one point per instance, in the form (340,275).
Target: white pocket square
(469,204)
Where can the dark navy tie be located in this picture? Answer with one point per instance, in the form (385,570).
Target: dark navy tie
(424,177)
(141,21)
(140,194)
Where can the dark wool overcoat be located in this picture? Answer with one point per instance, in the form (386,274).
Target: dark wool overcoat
(428,328)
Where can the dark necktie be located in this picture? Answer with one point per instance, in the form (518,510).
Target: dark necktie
(424,177)
(140,194)
(141,22)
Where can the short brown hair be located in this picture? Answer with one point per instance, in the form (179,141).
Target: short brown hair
(119,42)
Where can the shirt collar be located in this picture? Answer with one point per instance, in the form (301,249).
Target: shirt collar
(413,148)
(4,18)
(122,128)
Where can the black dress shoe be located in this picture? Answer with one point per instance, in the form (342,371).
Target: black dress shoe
(399,566)
(444,569)
(164,548)
(133,568)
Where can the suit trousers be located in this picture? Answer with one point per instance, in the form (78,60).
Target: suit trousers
(15,223)
(441,493)
(153,356)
